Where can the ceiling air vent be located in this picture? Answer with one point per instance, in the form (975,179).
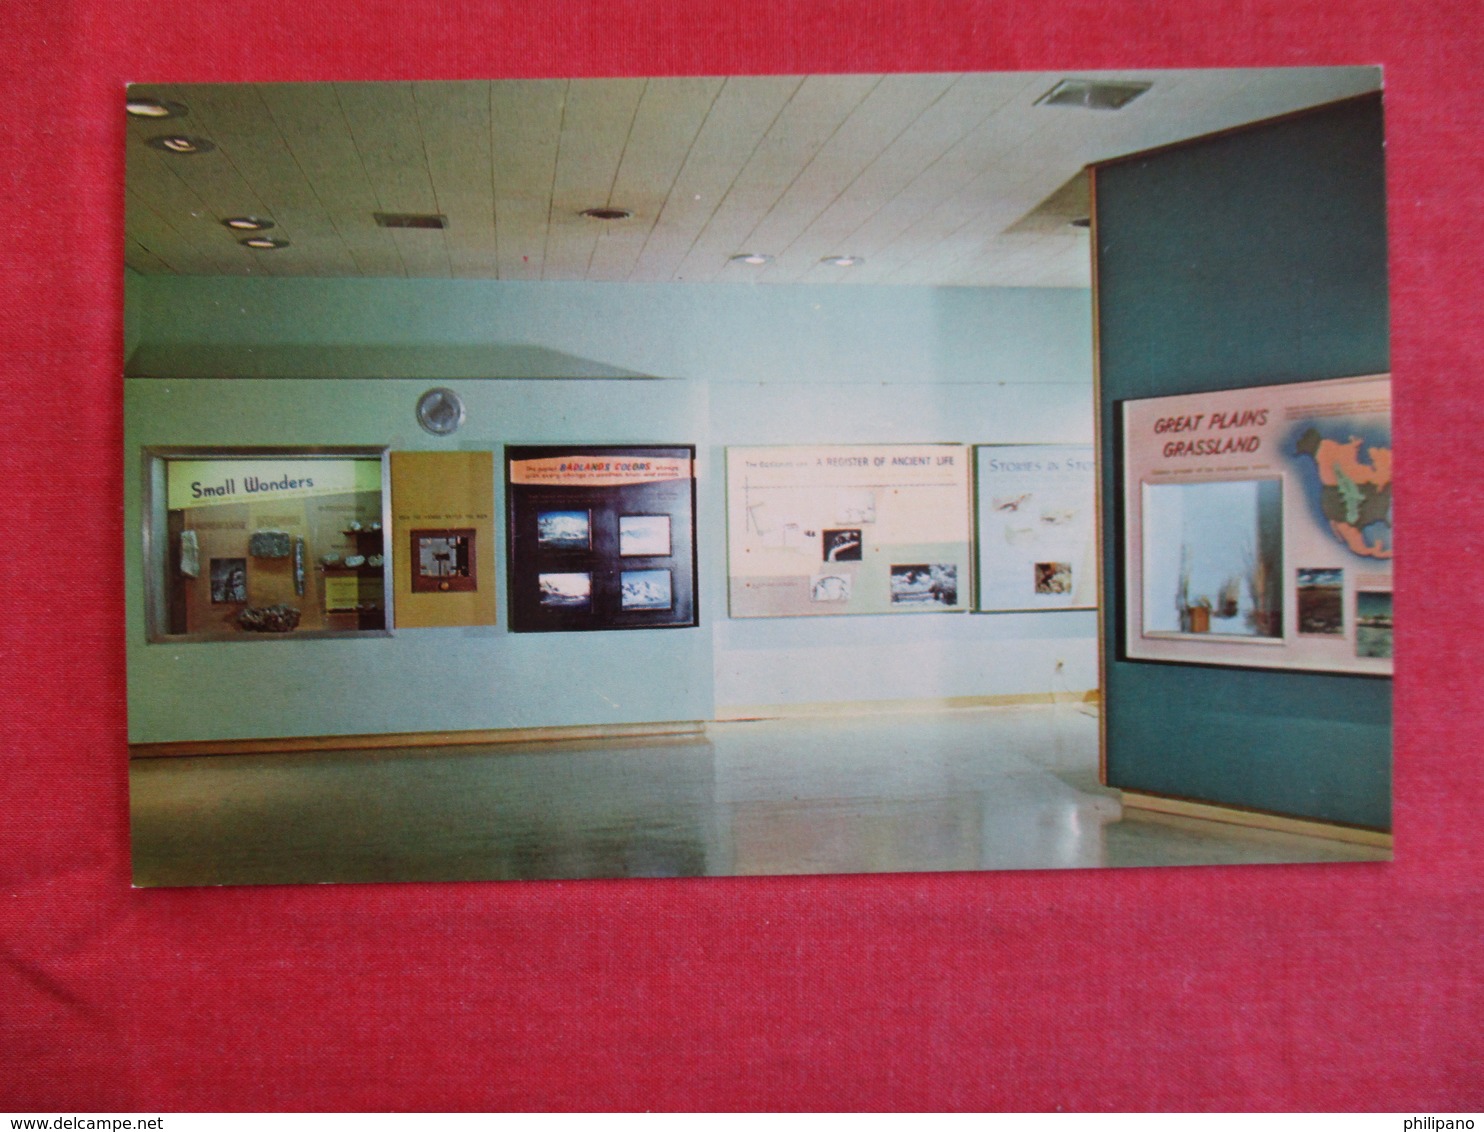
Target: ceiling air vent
(410,220)
(1092,94)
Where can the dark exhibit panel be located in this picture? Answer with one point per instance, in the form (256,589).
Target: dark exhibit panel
(601,537)
(1251,258)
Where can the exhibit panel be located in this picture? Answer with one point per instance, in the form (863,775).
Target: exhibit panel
(1036,527)
(245,545)
(848,529)
(601,537)
(1258,526)
(443,529)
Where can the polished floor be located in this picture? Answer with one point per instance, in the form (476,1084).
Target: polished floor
(995,788)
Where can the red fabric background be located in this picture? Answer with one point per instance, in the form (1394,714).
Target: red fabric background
(1282,987)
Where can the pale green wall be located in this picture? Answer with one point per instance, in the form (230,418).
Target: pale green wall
(721,333)
(739,365)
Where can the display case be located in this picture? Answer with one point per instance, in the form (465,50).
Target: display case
(255,544)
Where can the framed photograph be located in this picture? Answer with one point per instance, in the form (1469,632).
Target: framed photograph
(1254,521)
(644,536)
(1036,530)
(564,530)
(444,561)
(1373,624)
(566,591)
(579,516)
(1321,601)
(228,580)
(646,589)
(844,529)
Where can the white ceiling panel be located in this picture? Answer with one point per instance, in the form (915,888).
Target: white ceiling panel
(924,176)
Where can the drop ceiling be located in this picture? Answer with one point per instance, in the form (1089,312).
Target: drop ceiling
(934,180)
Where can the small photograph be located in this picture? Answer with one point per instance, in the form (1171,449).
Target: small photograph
(925,584)
(566,591)
(645,589)
(442,556)
(855,505)
(228,580)
(1321,602)
(1053,577)
(644,536)
(564,530)
(830,587)
(842,545)
(1373,624)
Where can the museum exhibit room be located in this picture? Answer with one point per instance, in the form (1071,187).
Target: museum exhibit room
(759,475)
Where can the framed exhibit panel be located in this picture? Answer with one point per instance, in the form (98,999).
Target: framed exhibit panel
(1037,544)
(1258,527)
(252,544)
(870,528)
(443,524)
(601,537)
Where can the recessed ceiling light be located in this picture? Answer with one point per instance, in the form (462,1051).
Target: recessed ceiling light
(756,259)
(182,144)
(248,223)
(1092,94)
(842,260)
(263,243)
(606,213)
(154,108)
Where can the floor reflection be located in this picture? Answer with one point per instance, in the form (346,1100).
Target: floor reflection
(1007,788)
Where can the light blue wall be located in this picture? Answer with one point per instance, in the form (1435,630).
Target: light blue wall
(734,365)
(264,327)
(768,661)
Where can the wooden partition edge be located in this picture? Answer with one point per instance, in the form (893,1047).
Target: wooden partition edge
(1105,583)
(1256,819)
(301,743)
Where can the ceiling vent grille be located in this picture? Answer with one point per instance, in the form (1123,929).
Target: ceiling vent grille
(1092,94)
(410,220)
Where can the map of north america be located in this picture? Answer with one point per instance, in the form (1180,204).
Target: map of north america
(1354,490)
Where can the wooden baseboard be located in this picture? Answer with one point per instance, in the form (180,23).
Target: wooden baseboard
(1255,819)
(736,712)
(299,743)
(414,739)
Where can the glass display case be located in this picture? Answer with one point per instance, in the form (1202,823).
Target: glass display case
(250,544)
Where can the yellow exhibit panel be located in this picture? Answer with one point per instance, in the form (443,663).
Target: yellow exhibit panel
(443,532)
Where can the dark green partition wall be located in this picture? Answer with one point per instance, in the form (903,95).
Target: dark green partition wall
(1250,258)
